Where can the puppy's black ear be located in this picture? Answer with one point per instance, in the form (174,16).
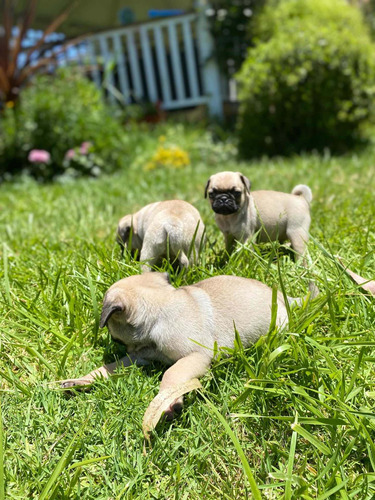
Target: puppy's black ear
(245,182)
(107,311)
(206,188)
(123,234)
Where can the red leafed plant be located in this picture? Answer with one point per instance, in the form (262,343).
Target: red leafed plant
(13,73)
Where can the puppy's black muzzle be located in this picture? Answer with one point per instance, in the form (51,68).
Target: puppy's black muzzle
(225,204)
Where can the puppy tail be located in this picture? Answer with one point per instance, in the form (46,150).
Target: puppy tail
(303,190)
(298,301)
(184,261)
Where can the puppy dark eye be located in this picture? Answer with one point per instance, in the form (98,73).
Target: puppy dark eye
(211,194)
(236,193)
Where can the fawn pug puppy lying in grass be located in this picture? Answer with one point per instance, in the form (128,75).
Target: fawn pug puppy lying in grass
(181,327)
(173,223)
(277,216)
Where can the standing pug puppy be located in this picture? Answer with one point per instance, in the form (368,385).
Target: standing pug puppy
(277,216)
(173,228)
(181,327)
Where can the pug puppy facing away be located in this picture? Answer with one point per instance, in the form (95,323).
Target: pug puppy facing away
(275,216)
(173,228)
(181,327)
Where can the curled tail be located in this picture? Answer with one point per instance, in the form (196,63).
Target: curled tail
(313,293)
(303,190)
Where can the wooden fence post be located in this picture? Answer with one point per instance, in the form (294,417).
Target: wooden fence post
(210,70)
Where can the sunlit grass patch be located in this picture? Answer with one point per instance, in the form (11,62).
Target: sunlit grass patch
(299,402)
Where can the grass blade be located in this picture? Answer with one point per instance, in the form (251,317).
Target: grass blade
(2,478)
(65,458)
(6,274)
(279,350)
(94,305)
(312,439)
(273,310)
(333,490)
(33,352)
(292,451)
(245,464)
(12,379)
(89,461)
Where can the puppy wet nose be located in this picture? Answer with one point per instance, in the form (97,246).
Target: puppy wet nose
(224,198)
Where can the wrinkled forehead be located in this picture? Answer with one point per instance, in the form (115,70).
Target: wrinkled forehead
(126,221)
(226,180)
(137,283)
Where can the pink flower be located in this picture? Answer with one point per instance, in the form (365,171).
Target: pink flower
(84,148)
(39,156)
(70,154)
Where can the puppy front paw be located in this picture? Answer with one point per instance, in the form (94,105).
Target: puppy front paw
(174,409)
(75,383)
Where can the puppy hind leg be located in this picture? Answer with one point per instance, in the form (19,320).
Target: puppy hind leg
(186,255)
(298,239)
(150,256)
(192,366)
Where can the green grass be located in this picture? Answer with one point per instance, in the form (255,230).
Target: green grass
(291,417)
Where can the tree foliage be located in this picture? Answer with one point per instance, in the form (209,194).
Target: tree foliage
(232,24)
(17,63)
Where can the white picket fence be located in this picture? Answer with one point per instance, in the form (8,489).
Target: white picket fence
(169,60)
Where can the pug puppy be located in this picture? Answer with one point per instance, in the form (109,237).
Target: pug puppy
(173,228)
(181,327)
(275,216)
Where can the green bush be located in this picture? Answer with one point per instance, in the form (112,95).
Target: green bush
(57,114)
(309,82)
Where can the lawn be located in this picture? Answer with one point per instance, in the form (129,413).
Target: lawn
(299,403)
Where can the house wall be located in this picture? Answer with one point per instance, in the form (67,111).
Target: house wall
(96,15)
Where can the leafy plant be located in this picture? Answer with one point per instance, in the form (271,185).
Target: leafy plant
(56,114)
(309,83)
(14,72)
(368,9)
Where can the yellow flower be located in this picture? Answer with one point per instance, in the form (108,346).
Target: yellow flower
(170,157)
(9,104)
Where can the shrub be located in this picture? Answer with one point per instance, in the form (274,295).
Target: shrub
(309,82)
(57,114)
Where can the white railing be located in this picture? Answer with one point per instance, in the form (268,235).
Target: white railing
(168,60)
